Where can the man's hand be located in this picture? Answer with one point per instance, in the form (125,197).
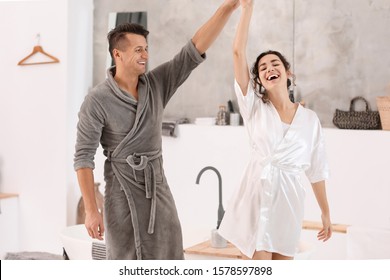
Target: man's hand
(209,31)
(94,225)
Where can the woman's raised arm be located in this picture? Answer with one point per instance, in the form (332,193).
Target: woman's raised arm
(241,69)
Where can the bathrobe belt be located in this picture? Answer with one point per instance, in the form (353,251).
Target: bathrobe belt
(145,163)
(270,165)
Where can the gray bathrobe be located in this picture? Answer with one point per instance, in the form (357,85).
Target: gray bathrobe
(140,215)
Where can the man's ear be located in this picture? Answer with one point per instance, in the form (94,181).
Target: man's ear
(116,54)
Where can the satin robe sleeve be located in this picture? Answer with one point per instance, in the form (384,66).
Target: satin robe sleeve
(246,102)
(318,169)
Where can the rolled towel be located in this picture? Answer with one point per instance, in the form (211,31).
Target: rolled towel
(32,256)
(98,251)
(169,127)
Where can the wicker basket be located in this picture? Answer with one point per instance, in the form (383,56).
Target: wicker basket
(383,103)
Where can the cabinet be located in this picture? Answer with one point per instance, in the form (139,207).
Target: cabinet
(9,224)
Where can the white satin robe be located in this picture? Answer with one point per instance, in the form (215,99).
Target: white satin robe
(266,211)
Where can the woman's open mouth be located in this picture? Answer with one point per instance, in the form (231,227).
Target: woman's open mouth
(272,77)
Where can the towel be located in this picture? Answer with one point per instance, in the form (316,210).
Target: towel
(169,127)
(98,251)
(32,256)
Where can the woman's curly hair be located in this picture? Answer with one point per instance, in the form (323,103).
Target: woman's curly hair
(258,87)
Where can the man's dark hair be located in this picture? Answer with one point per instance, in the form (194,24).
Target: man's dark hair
(117,35)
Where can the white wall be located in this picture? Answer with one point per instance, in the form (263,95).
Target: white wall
(37,110)
(80,33)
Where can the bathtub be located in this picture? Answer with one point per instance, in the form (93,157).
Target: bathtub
(78,245)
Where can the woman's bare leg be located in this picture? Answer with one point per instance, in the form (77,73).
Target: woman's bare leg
(264,255)
(276,256)
(258,255)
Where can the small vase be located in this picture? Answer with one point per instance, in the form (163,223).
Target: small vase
(81,208)
(217,241)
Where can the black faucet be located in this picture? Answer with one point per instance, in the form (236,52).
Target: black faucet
(221,212)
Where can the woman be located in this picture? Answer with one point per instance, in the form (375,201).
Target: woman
(264,218)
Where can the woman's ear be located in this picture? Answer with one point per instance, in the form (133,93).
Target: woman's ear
(291,77)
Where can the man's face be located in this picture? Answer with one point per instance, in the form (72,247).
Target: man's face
(132,54)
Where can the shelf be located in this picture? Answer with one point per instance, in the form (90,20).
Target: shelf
(205,248)
(232,252)
(310,225)
(8,195)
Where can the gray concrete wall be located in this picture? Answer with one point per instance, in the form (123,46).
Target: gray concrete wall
(339,49)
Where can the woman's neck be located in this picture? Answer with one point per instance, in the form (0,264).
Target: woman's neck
(280,99)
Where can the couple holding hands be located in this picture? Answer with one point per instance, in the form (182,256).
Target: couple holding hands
(124,114)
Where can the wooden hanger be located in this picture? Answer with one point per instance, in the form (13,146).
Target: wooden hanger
(38,49)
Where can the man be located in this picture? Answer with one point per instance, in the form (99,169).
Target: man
(124,114)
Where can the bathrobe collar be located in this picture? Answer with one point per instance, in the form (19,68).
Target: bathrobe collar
(142,87)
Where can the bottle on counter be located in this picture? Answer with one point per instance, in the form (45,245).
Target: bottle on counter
(222,116)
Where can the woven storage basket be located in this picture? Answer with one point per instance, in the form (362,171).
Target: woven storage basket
(352,119)
(383,103)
